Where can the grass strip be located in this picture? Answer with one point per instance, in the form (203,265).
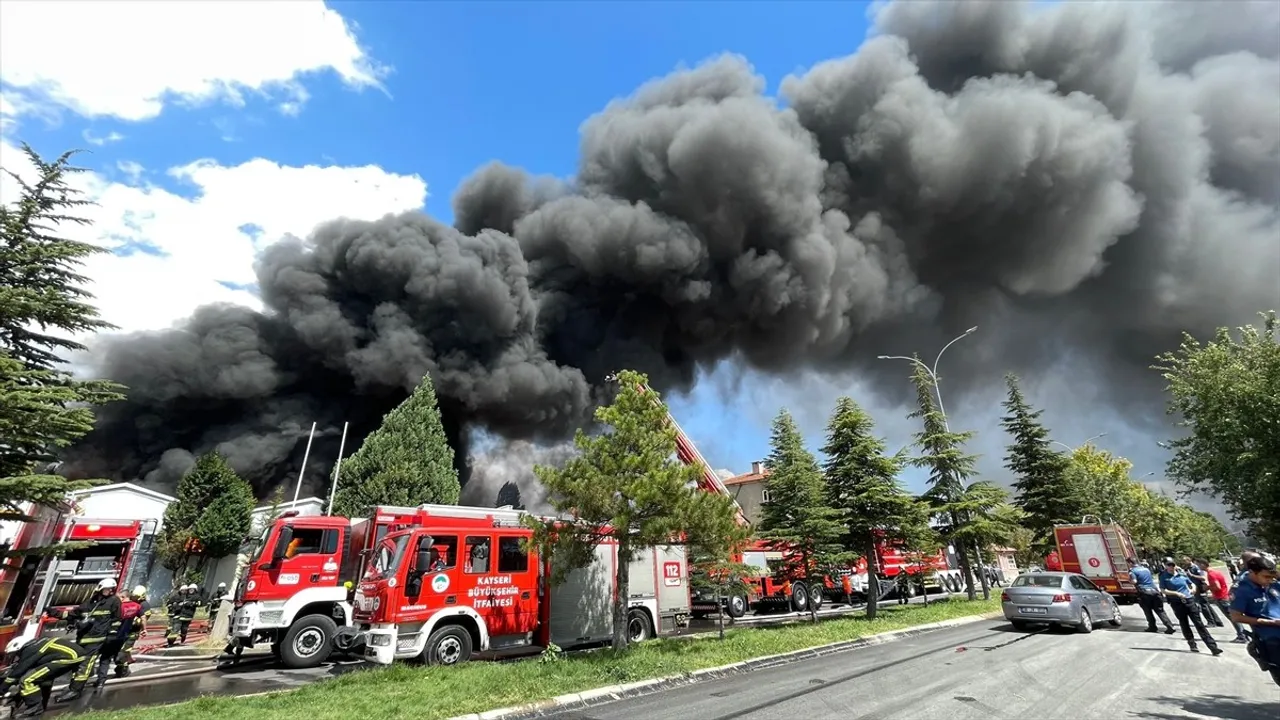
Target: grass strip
(408,690)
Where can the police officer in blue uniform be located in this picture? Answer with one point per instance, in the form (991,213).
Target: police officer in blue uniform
(1256,603)
(1149,597)
(1181,592)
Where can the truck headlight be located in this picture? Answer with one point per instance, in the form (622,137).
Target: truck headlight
(379,640)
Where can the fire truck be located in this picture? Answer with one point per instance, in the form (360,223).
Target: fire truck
(31,581)
(468,581)
(1099,551)
(297,592)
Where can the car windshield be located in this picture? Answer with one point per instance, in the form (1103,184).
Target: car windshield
(386,559)
(1044,581)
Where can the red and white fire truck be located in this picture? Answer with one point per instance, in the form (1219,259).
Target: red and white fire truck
(468,581)
(296,592)
(31,581)
(1099,551)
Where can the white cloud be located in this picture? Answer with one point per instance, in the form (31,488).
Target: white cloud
(127,59)
(110,137)
(200,237)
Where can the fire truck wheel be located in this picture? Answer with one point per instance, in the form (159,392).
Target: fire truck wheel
(308,642)
(815,596)
(911,589)
(799,597)
(448,645)
(737,606)
(1086,622)
(639,628)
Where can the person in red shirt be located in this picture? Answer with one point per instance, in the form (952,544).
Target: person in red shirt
(1220,590)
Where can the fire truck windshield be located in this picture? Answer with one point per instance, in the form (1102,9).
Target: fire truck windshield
(258,544)
(387,558)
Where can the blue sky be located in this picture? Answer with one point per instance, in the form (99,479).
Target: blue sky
(467,83)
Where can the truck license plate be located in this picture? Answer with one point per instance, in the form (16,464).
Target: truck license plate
(1031,611)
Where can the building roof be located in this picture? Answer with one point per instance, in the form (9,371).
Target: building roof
(128,487)
(758,474)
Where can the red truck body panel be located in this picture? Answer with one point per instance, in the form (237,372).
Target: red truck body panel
(1100,552)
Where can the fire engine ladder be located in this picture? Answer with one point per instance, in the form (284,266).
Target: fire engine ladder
(688,454)
(1115,549)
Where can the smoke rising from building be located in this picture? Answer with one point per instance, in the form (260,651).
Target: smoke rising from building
(1082,180)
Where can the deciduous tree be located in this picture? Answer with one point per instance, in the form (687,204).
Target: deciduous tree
(1044,492)
(1226,395)
(862,487)
(626,487)
(407,461)
(797,519)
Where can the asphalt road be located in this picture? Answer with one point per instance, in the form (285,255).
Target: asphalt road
(982,670)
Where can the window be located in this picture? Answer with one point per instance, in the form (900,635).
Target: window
(1083,583)
(764,496)
(477,555)
(306,541)
(1044,581)
(512,558)
(330,542)
(443,549)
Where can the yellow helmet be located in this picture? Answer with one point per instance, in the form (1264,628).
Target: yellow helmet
(139,592)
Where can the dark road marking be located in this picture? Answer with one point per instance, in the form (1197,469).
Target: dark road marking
(846,678)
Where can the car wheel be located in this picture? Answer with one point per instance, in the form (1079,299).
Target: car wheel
(1085,625)
(1116,618)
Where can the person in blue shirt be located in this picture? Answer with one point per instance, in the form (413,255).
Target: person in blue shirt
(1149,597)
(1198,572)
(1256,603)
(1181,591)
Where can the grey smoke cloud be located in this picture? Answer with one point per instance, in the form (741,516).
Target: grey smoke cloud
(1083,181)
(494,464)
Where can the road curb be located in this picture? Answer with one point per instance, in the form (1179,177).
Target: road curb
(643,687)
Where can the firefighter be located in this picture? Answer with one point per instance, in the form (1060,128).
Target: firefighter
(215,604)
(904,588)
(182,610)
(119,649)
(100,620)
(33,666)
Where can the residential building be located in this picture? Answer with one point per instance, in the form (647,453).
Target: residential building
(748,489)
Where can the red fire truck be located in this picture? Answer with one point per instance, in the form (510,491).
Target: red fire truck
(294,594)
(1099,551)
(108,549)
(466,581)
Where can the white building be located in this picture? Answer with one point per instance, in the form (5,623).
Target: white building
(224,570)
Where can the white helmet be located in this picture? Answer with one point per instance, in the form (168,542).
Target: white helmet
(139,591)
(191,586)
(107,584)
(15,645)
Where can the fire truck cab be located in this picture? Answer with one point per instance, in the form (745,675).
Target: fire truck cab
(467,581)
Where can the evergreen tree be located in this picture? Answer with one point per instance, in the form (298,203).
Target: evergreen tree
(405,462)
(949,466)
(42,304)
(210,518)
(627,487)
(509,495)
(797,519)
(1044,491)
(862,486)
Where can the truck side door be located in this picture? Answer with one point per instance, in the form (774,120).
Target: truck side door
(311,558)
(518,568)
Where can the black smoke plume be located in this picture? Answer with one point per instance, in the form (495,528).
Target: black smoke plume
(1082,181)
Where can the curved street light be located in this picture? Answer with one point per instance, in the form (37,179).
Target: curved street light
(1073,449)
(933,371)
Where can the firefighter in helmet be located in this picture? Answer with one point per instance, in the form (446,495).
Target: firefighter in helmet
(137,627)
(99,620)
(33,666)
(182,610)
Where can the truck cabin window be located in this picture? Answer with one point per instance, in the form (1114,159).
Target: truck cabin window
(512,557)
(477,555)
(387,558)
(306,541)
(259,545)
(441,552)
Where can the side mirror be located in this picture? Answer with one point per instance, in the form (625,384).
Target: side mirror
(283,538)
(424,561)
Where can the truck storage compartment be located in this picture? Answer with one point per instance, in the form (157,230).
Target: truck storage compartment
(581,607)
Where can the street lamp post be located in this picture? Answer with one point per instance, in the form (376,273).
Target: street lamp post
(1073,449)
(946,424)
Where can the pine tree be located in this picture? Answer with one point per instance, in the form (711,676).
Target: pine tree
(862,486)
(1044,493)
(405,462)
(797,519)
(210,518)
(509,495)
(42,304)
(950,467)
(627,487)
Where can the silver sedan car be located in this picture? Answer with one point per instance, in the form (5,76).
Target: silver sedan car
(1058,598)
